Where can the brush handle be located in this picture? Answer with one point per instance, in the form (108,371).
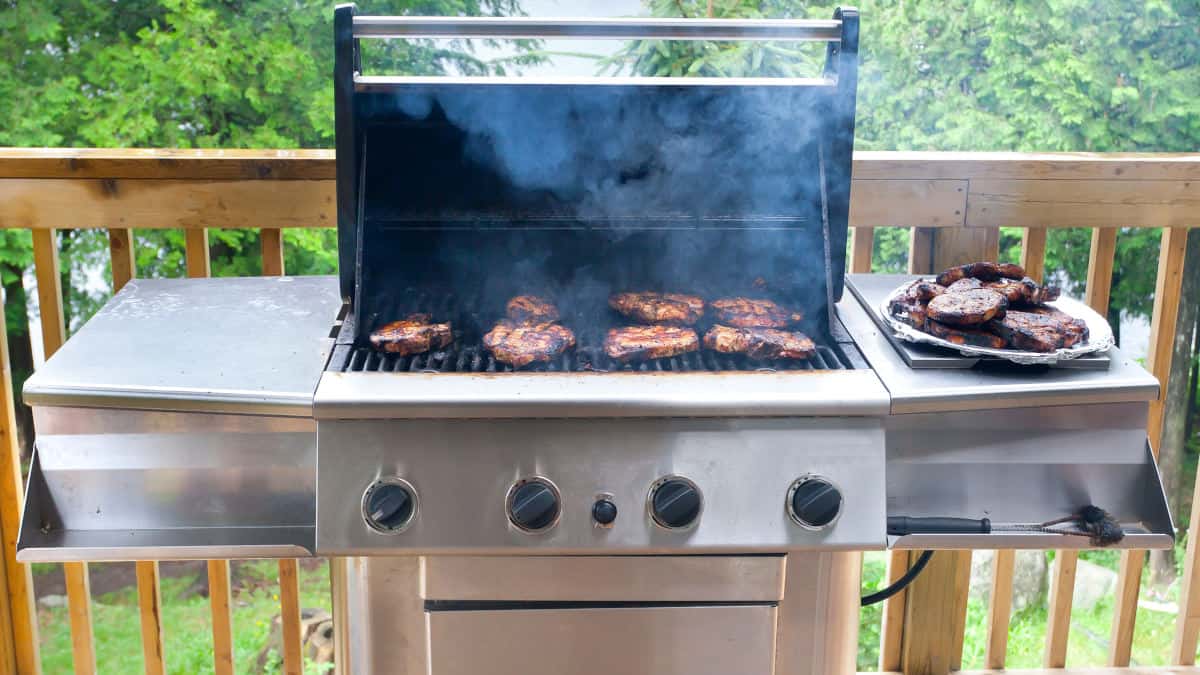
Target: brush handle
(902,525)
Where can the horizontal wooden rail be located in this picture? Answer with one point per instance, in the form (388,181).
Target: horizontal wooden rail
(54,188)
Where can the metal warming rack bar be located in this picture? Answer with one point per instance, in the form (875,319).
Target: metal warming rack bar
(599,29)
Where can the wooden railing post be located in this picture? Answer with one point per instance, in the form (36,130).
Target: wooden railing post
(150,609)
(1066,562)
(220,594)
(18,618)
(1033,252)
(54,334)
(934,622)
(932,630)
(1167,287)
(861,249)
(121,254)
(271,239)
(289,613)
(199,262)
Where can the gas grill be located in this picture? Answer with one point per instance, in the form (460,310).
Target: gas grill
(700,513)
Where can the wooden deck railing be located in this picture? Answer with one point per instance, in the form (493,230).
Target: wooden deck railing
(955,204)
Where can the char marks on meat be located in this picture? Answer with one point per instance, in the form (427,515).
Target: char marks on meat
(968,308)
(531,308)
(1030,332)
(675,309)
(984,271)
(1024,291)
(640,343)
(967,284)
(921,291)
(763,344)
(415,334)
(522,343)
(1075,330)
(966,336)
(754,313)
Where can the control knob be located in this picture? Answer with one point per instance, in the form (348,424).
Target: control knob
(675,503)
(533,505)
(814,502)
(389,505)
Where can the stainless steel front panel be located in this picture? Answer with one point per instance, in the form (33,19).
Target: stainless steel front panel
(713,640)
(679,578)
(585,395)
(123,485)
(463,469)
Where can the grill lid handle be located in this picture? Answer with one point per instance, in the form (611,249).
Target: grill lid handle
(518,27)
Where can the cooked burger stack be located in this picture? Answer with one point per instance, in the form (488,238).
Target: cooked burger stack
(665,329)
(756,328)
(988,304)
(530,333)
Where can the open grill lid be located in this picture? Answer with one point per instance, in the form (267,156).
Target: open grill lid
(504,169)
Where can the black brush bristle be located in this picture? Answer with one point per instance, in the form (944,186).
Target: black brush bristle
(1092,514)
(1105,529)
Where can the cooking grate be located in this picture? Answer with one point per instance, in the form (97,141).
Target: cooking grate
(467,355)
(476,359)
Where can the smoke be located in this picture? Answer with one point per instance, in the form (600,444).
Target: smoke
(579,191)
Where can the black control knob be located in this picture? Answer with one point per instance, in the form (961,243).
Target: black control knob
(814,502)
(675,503)
(389,505)
(604,512)
(533,505)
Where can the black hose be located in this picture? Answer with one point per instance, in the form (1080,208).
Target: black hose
(901,583)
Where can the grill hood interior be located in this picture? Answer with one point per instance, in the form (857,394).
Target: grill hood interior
(509,186)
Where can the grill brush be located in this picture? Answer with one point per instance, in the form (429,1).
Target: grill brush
(1089,521)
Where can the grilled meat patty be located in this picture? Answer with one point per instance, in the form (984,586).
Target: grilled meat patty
(914,314)
(1023,291)
(752,313)
(967,284)
(638,343)
(1075,330)
(920,291)
(531,308)
(520,344)
(984,271)
(966,336)
(658,308)
(1029,331)
(415,334)
(762,344)
(968,308)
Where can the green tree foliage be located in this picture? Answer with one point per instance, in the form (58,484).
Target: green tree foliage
(193,73)
(1054,75)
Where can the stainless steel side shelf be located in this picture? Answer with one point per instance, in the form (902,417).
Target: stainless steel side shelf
(43,538)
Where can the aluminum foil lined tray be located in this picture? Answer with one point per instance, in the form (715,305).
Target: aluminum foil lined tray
(1100,337)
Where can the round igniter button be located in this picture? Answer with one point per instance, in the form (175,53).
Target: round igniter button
(814,502)
(675,503)
(604,512)
(389,505)
(533,505)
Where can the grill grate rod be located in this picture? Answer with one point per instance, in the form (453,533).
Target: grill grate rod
(475,359)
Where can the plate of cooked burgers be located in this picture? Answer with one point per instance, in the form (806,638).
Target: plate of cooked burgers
(994,309)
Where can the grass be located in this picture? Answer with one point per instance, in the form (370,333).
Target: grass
(187,628)
(1089,636)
